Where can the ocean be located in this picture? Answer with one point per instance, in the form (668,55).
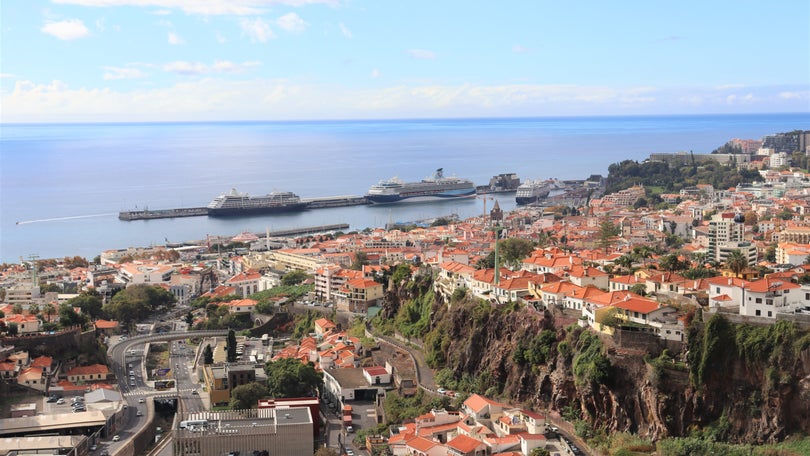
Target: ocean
(62,185)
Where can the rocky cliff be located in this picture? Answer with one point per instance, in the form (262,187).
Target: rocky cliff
(731,383)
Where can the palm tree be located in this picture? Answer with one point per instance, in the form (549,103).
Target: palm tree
(49,309)
(737,262)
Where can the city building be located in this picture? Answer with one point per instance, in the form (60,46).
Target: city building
(266,431)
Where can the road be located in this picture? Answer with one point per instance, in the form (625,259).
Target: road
(126,357)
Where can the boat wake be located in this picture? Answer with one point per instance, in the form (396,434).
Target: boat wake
(58,219)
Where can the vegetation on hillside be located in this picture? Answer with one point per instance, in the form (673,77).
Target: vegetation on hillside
(672,178)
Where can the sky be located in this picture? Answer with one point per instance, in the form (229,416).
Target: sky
(189,60)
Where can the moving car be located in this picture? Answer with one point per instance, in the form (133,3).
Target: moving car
(141,401)
(116,438)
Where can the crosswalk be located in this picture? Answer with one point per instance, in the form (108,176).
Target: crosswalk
(170,393)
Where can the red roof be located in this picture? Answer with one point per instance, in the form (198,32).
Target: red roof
(106,324)
(464,444)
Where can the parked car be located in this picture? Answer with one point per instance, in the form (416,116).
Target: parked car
(116,438)
(140,413)
(350,429)
(441,390)
(141,400)
(349,452)
(60,401)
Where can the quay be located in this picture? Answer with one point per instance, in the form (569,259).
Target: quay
(148,214)
(335,201)
(311,203)
(308,230)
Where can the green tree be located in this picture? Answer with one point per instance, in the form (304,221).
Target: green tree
(639,289)
(294,278)
(17,309)
(540,452)
(33,309)
(89,302)
(736,262)
(69,317)
(292,378)
(12,329)
(231,346)
(360,260)
(48,309)
(608,232)
(208,355)
(323,451)
(671,263)
(138,302)
(189,318)
(247,396)
(512,250)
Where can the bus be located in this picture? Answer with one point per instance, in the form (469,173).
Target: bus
(190,424)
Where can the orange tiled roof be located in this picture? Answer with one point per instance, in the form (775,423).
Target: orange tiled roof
(464,444)
(88,370)
(42,361)
(106,324)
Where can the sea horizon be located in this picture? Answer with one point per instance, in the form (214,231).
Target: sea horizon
(404,119)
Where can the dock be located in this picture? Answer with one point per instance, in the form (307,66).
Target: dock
(148,214)
(335,201)
(311,203)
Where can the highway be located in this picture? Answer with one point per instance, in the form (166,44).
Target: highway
(127,357)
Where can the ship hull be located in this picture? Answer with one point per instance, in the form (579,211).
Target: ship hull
(236,212)
(416,198)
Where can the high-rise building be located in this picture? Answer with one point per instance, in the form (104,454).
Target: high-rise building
(723,229)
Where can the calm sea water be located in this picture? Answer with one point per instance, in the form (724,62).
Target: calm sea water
(61,186)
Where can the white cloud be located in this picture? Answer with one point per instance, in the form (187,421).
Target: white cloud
(161,12)
(345,30)
(257,30)
(226,98)
(185,68)
(375,73)
(421,54)
(730,86)
(793,95)
(291,22)
(226,66)
(114,73)
(175,39)
(197,68)
(7,75)
(207,7)
(69,29)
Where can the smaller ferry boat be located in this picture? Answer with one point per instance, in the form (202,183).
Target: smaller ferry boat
(236,203)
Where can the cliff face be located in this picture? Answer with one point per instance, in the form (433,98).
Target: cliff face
(738,399)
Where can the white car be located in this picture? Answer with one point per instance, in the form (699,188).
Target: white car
(141,401)
(140,413)
(441,390)
(116,438)
(60,401)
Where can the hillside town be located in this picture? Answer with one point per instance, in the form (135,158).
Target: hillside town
(619,266)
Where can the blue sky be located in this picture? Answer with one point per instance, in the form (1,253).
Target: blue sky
(175,60)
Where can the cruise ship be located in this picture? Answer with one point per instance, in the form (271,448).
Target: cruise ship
(432,188)
(236,203)
(532,191)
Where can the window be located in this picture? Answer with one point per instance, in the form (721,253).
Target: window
(718,290)
(759,313)
(769,313)
(769,302)
(759,301)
